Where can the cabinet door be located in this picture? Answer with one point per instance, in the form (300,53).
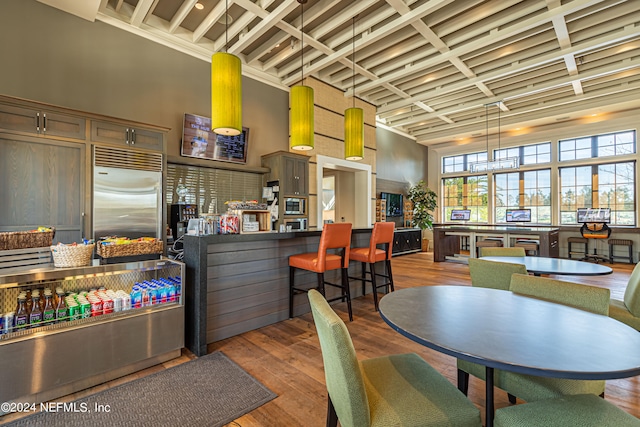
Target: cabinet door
(109,132)
(289,180)
(46,179)
(147,139)
(13,117)
(56,124)
(302,173)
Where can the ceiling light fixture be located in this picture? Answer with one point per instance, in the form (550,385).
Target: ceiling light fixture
(199,6)
(354,117)
(226,89)
(301,120)
(499,163)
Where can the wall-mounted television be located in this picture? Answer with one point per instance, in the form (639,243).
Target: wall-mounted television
(199,141)
(518,215)
(594,215)
(460,215)
(394,203)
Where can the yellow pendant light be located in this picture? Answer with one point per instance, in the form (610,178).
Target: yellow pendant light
(301,102)
(354,118)
(353,134)
(226,90)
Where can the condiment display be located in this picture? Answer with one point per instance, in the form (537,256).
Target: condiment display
(36,308)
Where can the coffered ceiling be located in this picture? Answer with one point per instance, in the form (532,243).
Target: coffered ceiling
(429,66)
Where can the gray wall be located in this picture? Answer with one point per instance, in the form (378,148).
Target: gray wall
(57,58)
(400,160)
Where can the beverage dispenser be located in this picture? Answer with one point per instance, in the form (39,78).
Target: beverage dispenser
(180,215)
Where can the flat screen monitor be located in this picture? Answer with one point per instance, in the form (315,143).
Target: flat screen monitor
(518,215)
(394,204)
(594,215)
(460,215)
(198,140)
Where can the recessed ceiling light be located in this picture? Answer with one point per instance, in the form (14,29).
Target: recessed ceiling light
(199,6)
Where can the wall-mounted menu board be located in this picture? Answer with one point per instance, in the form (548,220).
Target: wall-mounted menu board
(198,140)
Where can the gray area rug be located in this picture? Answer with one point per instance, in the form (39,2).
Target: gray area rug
(208,391)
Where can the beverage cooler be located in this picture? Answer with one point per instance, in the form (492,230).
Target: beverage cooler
(96,323)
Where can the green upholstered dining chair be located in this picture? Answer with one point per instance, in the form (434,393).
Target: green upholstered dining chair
(529,387)
(486,274)
(396,390)
(492,274)
(502,252)
(628,310)
(584,410)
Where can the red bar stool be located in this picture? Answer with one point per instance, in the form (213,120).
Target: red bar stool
(382,235)
(334,236)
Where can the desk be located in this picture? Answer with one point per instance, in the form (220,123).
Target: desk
(567,267)
(446,238)
(500,329)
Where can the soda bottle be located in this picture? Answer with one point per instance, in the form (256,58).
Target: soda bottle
(35,317)
(48,313)
(22,313)
(61,307)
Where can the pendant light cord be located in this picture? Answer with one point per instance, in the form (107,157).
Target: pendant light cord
(302,45)
(353,60)
(226,26)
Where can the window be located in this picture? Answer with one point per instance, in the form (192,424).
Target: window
(599,186)
(613,144)
(524,190)
(460,163)
(528,154)
(466,193)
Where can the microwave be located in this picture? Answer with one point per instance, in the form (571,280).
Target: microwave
(297,224)
(294,206)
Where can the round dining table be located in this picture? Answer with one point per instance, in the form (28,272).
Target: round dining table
(543,265)
(503,330)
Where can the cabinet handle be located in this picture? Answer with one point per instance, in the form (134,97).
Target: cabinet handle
(44,122)
(133,136)
(37,122)
(127,137)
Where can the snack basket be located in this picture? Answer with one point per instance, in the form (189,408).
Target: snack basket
(131,249)
(25,239)
(72,256)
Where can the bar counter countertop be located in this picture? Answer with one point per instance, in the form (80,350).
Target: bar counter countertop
(240,282)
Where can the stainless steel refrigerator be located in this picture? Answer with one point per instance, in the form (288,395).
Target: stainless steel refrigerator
(127,193)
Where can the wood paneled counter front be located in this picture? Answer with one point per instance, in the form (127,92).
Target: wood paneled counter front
(446,238)
(240,282)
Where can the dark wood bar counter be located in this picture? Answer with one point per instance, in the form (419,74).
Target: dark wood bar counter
(240,282)
(446,238)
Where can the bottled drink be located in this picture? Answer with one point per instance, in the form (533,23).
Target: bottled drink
(22,313)
(61,308)
(29,301)
(49,312)
(35,317)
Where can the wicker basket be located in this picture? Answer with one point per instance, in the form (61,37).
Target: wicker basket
(72,256)
(131,249)
(25,239)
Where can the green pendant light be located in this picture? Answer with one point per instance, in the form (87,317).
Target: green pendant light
(354,118)
(226,90)
(301,101)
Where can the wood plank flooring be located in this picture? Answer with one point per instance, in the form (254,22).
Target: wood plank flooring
(286,356)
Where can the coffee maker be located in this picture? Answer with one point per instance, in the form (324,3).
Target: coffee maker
(180,215)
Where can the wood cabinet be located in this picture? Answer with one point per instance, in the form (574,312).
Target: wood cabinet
(43,182)
(38,121)
(406,241)
(122,134)
(290,170)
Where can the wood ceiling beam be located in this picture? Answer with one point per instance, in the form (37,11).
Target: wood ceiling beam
(141,10)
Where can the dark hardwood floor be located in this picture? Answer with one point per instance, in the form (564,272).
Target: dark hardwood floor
(286,356)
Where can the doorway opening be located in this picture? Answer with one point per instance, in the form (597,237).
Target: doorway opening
(349,185)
